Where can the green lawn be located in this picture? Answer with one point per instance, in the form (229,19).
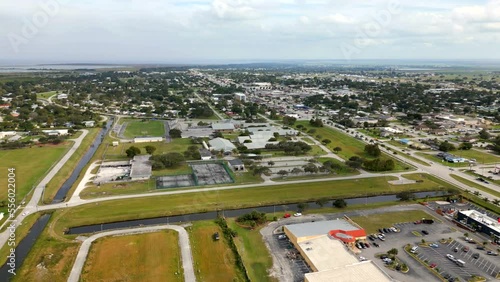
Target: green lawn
(476,185)
(213,260)
(481,157)
(253,251)
(138,128)
(31,165)
(350,146)
(371,223)
(177,145)
(117,210)
(46,95)
(431,156)
(65,172)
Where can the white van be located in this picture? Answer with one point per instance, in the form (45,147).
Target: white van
(460,262)
(414,249)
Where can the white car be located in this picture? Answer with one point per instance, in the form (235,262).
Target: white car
(297,214)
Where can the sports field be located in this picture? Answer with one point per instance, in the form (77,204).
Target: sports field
(142,257)
(213,260)
(31,165)
(137,128)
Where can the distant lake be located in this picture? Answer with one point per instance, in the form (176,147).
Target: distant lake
(48,68)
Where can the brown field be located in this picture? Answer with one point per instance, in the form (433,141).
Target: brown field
(142,257)
(213,260)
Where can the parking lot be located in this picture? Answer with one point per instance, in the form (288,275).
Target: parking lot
(299,266)
(409,233)
(486,266)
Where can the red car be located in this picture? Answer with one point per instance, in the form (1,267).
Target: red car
(287,215)
(433,265)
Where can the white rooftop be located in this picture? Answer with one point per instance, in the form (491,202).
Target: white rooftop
(492,223)
(319,227)
(358,272)
(326,253)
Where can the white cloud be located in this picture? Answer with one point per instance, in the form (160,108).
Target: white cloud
(337,18)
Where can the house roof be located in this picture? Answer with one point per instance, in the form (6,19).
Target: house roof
(236,162)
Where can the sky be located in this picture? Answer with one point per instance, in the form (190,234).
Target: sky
(190,31)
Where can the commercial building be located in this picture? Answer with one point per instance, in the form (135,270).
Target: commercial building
(240,97)
(481,223)
(324,245)
(221,144)
(223,127)
(56,132)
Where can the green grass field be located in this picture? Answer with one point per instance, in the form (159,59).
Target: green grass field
(475,185)
(481,157)
(371,223)
(141,257)
(46,95)
(253,251)
(350,146)
(213,260)
(31,165)
(65,172)
(177,145)
(119,210)
(138,128)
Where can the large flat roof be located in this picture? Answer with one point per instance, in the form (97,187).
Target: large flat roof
(320,227)
(486,220)
(327,253)
(358,272)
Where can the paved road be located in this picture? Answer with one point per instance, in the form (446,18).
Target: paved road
(186,255)
(213,110)
(38,192)
(435,169)
(77,201)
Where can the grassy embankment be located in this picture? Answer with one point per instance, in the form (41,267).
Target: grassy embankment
(65,172)
(253,252)
(476,185)
(237,198)
(213,260)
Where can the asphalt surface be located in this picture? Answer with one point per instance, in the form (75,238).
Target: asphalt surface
(186,255)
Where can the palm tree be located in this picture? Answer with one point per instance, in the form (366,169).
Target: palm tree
(496,202)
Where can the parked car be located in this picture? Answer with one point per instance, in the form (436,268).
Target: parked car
(491,253)
(383,257)
(425,232)
(381,230)
(455,250)
(434,245)
(476,255)
(433,265)
(450,257)
(376,245)
(297,214)
(367,245)
(281,237)
(465,249)
(287,215)
(479,247)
